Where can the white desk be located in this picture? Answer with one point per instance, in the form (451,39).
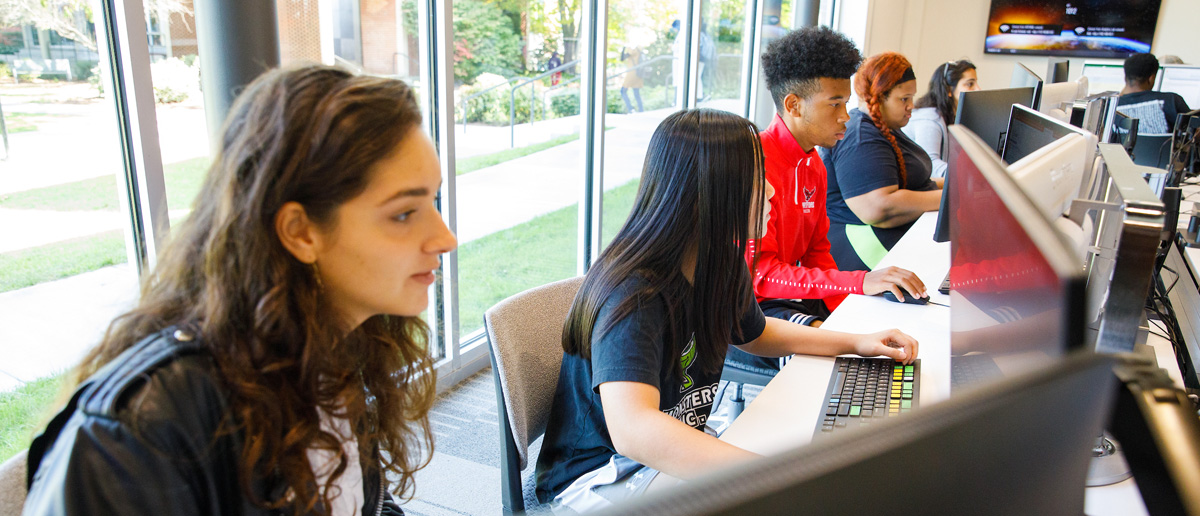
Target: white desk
(785,414)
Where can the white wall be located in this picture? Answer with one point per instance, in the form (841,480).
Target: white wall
(931,32)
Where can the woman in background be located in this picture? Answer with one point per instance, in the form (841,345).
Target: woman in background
(935,110)
(276,362)
(879,179)
(646,336)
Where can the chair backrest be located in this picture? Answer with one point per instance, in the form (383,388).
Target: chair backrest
(525,332)
(12,484)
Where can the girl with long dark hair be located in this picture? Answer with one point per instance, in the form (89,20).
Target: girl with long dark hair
(936,109)
(648,331)
(879,179)
(276,362)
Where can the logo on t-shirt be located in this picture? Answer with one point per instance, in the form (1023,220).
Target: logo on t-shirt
(685,361)
(696,402)
(808,203)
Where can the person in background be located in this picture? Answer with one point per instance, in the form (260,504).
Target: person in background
(879,179)
(935,110)
(1155,110)
(647,333)
(808,73)
(632,79)
(276,362)
(553,63)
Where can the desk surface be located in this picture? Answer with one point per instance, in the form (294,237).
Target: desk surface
(785,414)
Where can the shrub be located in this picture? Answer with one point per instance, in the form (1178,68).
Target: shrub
(94,80)
(5,71)
(173,80)
(493,107)
(566,104)
(82,70)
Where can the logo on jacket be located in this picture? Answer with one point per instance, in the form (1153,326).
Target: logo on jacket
(808,203)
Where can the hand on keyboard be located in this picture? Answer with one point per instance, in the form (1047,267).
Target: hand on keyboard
(892,343)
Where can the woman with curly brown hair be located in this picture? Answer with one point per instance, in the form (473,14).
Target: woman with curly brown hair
(879,179)
(276,362)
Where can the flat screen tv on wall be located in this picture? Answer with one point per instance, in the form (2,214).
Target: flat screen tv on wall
(1072,28)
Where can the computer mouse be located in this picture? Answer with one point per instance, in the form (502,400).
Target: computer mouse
(908,299)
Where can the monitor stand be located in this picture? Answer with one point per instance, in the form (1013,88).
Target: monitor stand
(1108,464)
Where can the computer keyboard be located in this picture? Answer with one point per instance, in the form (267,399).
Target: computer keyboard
(863,389)
(945,286)
(971,369)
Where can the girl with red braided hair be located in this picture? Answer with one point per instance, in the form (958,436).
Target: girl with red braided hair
(879,179)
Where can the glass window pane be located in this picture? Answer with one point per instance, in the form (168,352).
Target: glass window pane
(517,149)
(645,67)
(63,260)
(722,23)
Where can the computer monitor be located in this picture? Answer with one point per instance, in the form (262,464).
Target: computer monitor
(1124,132)
(1181,79)
(1029,130)
(1020,447)
(985,112)
(1051,175)
(1057,99)
(1127,229)
(1016,285)
(1023,77)
(1050,170)
(1104,77)
(1057,69)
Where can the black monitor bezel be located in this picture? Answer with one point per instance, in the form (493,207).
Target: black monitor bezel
(1024,111)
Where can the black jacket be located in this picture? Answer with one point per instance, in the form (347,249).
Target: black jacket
(138,438)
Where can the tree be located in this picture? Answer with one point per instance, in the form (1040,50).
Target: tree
(568,15)
(59,15)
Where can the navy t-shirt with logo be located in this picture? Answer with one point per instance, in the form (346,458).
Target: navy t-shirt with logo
(577,439)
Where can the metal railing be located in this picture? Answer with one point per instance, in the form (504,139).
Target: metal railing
(533,97)
(533,100)
(462,104)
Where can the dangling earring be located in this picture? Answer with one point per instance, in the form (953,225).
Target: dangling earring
(317,276)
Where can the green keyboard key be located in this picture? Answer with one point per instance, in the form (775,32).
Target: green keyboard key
(905,404)
(907,386)
(908,369)
(855,410)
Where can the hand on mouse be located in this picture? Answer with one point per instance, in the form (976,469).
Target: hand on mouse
(892,343)
(899,282)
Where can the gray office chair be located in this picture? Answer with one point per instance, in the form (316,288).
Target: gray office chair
(12,484)
(525,333)
(736,372)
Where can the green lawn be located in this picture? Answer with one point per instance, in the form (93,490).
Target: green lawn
(534,253)
(471,164)
(24,411)
(28,267)
(25,122)
(182,179)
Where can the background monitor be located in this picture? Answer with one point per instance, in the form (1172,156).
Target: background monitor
(1023,77)
(1124,131)
(1057,69)
(1020,447)
(1051,175)
(1104,77)
(1184,80)
(1058,98)
(985,112)
(1016,284)
(1029,131)
(1079,28)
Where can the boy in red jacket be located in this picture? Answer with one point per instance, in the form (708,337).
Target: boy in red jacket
(808,72)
